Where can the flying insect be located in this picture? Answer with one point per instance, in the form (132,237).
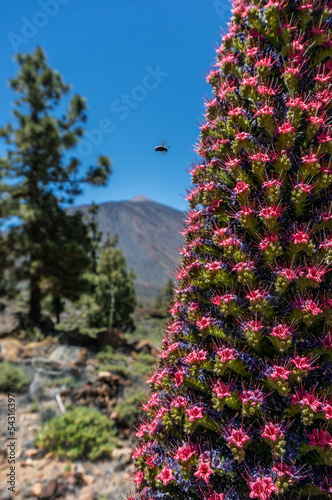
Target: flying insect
(162,148)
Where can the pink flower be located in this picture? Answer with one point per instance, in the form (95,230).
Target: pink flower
(215,496)
(204,323)
(195,413)
(237,438)
(166,475)
(305,187)
(269,212)
(243,266)
(179,402)
(241,187)
(305,398)
(185,452)
(213,266)
(221,390)
(257,295)
(327,409)
(153,401)
(312,307)
(320,438)
(255,325)
(262,488)
(261,157)
(226,354)
(139,478)
(204,471)
(242,136)
(271,183)
(178,377)
(316,273)
(282,331)
(268,240)
(223,299)
(327,341)
(254,397)
(264,111)
(279,372)
(273,432)
(196,357)
(282,469)
(302,363)
(286,128)
(310,159)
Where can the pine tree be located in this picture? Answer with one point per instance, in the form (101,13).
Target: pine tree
(240,404)
(41,175)
(111,300)
(66,258)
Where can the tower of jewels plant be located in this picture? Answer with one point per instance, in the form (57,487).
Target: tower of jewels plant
(240,404)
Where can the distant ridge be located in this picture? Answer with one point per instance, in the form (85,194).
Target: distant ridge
(149,235)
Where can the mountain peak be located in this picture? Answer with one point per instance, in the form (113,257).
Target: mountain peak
(140,197)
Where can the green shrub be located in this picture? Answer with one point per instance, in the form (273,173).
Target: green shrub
(12,377)
(120,369)
(128,411)
(142,364)
(80,433)
(68,381)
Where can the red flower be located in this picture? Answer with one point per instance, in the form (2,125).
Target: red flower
(257,295)
(241,187)
(179,402)
(282,331)
(320,438)
(264,111)
(300,237)
(204,323)
(226,354)
(215,496)
(302,363)
(236,437)
(221,390)
(286,128)
(204,471)
(185,452)
(196,357)
(268,240)
(254,397)
(279,372)
(139,478)
(273,432)
(195,413)
(327,341)
(316,273)
(269,212)
(262,488)
(166,475)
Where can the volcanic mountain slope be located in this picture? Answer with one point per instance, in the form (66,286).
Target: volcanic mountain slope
(149,235)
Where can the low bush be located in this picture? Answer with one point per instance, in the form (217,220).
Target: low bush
(80,433)
(128,410)
(12,377)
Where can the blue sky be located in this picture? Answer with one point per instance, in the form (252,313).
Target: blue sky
(140,65)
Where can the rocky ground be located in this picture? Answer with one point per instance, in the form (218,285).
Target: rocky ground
(39,474)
